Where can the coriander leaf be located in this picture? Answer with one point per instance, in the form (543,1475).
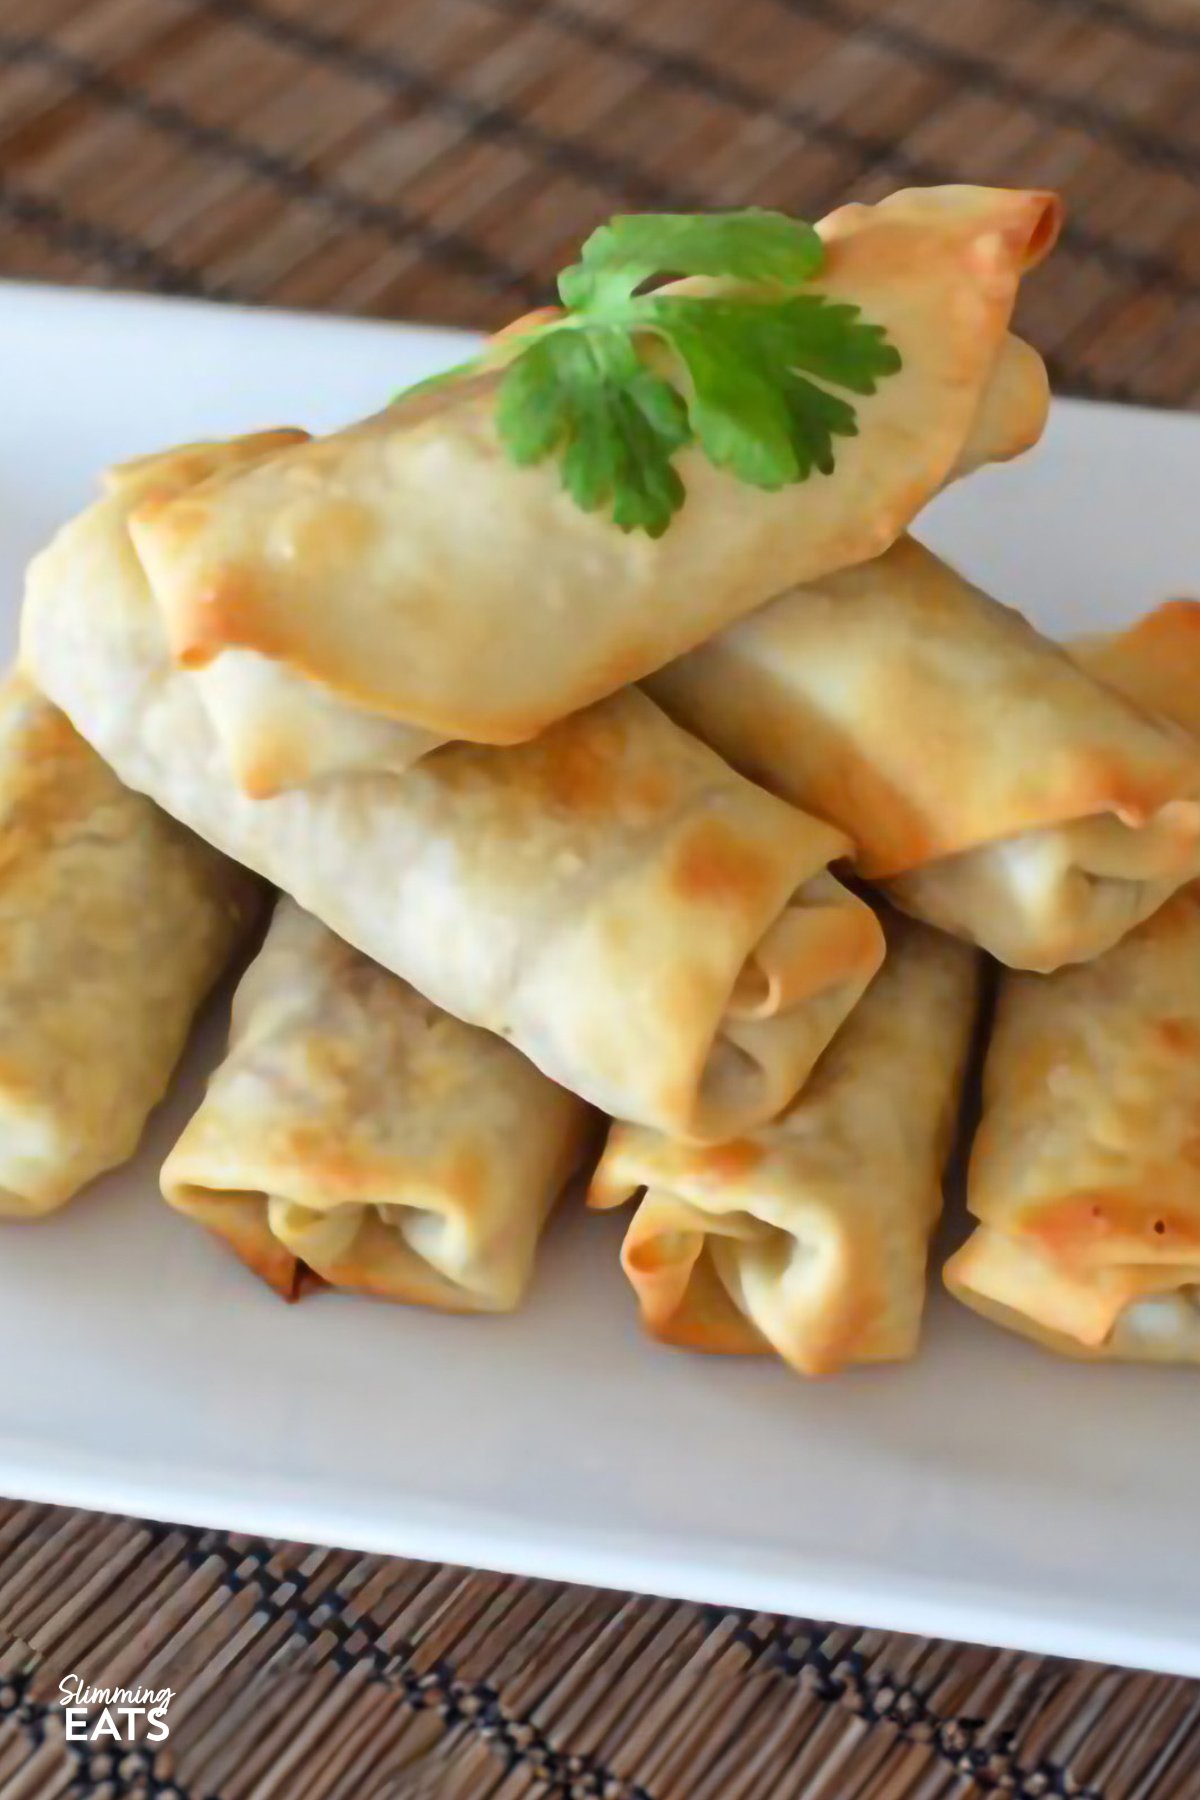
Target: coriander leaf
(753,245)
(533,407)
(752,410)
(736,407)
(616,423)
(748,374)
(830,339)
(817,418)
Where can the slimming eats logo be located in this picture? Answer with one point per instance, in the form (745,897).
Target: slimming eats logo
(122,1708)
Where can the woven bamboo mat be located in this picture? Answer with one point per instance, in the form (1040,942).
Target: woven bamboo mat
(439,159)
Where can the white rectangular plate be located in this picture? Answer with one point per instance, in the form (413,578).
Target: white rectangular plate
(986,1492)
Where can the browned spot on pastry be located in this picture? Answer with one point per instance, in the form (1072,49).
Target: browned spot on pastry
(1179,1035)
(582,770)
(584,767)
(170,471)
(715,864)
(728,1162)
(1083,1224)
(223,613)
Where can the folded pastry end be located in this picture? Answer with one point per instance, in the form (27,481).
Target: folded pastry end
(240,1221)
(808,1237)
(698,1279)
(356,1131)
(999,229)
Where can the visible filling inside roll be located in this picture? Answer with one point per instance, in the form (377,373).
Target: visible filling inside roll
(1125,1309)
(1168,1319)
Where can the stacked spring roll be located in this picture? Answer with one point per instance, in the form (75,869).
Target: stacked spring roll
(356,1131)
(275,639)
(651,929)
(810,1236)
(352,601)
(114,924)
(389,671)
(993,787)
(1085,1174)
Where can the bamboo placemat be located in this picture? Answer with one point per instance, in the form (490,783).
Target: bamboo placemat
(439,159)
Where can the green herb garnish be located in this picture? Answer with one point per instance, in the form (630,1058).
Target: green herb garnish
(742,380)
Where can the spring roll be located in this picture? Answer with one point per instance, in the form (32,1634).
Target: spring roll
(1086,1170)
(355,1130)
(114,924)
(652,930)
(345,563)
(991,786)
(1085,1175)
(809,1237)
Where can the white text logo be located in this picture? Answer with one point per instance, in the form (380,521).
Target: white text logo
(123,1707)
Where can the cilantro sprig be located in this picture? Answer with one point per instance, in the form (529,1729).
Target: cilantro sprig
(748,374)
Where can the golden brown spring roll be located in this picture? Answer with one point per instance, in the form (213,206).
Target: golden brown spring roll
(114,924)
(1086,1171)
(809,1237)
(653,931)
(355,1129)
(1085,1175)
(991,786)
(406,567)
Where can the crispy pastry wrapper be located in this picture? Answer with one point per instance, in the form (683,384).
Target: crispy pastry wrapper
(652,930)
(1155,661)
(114,924)
(356,1130)
(345,563)
(809,1237)
(1086,1171)
(277,730)
(995,788)
(1085,1175)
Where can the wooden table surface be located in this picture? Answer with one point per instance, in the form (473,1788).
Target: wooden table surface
(440,159)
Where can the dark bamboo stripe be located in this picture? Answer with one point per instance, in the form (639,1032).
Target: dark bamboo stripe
(122,255)
(794,1649)
(984,76)
(291,178)
(688,71)
(381,69)
(1143,27)
(802,1651)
